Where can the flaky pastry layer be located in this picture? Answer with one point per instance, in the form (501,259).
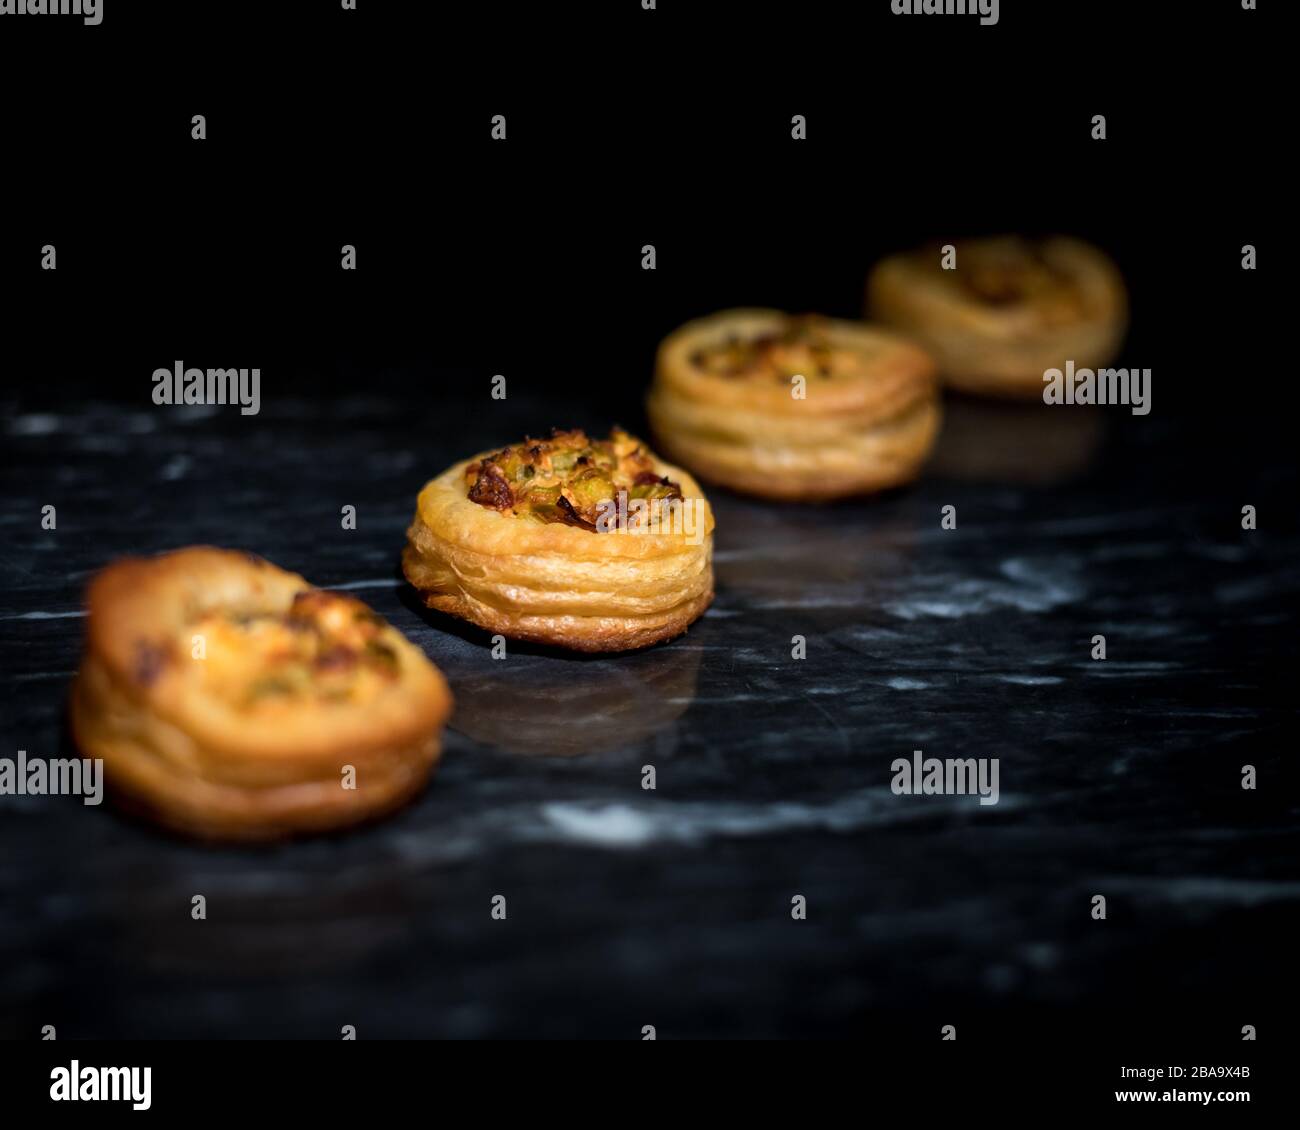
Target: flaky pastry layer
(867,419)
(555,584)
(194,733)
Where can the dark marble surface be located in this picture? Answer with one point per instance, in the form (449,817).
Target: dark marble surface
(672,908)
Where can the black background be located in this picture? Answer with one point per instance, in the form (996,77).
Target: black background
(625,128)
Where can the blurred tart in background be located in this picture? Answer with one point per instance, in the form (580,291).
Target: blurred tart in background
(996,313)
(803,408)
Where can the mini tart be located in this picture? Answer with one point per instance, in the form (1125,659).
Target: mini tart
(723,403)
(1009,310)
(514,542)
(227,696)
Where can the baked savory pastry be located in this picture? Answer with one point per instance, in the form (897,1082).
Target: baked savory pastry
(227,698)
(728,402)
(591,545)
(1009,309)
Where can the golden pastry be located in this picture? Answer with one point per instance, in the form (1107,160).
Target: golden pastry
(1009,309)
(581,544)
(791,407)
(231,700)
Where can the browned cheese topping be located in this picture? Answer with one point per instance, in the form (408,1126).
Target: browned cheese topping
(1017,273)
(802,346)
(326,646)
(567,478)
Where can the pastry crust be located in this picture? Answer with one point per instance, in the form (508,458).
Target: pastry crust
(867,421)
(1010,309)
(226,696)
(557,584)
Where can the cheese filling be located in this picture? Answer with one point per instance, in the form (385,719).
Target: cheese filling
(326,647)
(569,478)
(801,347)
(1018,274)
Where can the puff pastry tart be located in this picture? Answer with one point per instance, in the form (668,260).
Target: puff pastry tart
(228,698)
(788,407)
(591,545)
(1010,309)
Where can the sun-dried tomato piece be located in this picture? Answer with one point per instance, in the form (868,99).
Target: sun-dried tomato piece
(567,478)
(491,488)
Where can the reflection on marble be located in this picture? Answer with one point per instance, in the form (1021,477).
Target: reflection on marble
(672,906)
(1010,442)
(561,707)
(265,922)
(792,557)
